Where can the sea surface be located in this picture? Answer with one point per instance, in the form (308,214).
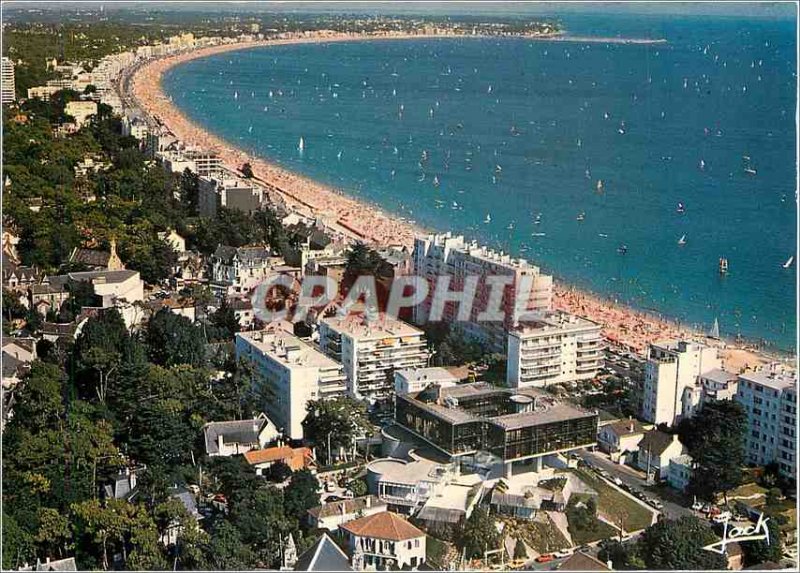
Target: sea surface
(506,141)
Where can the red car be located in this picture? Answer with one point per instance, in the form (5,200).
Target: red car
(545,558)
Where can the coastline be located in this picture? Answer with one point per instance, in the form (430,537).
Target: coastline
(362,221)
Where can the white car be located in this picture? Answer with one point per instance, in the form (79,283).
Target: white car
(697,506)
(722,517)
(561,553)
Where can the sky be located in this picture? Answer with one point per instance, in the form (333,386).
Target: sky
(755,9)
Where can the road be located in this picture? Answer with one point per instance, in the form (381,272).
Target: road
(634,479)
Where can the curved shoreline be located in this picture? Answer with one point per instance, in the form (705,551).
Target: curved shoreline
(362,221)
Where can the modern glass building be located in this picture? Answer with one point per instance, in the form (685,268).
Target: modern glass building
(508,424)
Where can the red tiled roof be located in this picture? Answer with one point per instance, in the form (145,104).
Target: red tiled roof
(385,525)
(297,458)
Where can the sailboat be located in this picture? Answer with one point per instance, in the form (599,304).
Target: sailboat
(581,216)
(599,185)
(301,145)
(488,219)
(682,240)
(714,332)
(789,262)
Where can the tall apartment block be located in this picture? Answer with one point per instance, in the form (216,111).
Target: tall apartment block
(7,93)
(291,373)
(371,350)
(449,255)
(671,374)
(559,347)
(770,399)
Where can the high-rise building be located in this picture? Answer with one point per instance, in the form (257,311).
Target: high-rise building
(770,399)
(559,347)
(293,373)
(447,255)
(8,88)
(371,350)
(670,377)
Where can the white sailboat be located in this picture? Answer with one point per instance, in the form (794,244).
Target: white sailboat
(789,262)
(488,219)
(682,240)
(301,145)
(714,333)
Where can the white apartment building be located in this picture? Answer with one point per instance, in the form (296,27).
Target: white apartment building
(292,373)
(559,347)
(135,127)
(8,86)
(448,255)
(670,377)
(370,350)
(81,111)
(228,191)
(417,379)
(770,399)
(43,92)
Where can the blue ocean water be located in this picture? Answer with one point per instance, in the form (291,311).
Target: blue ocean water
(453,132)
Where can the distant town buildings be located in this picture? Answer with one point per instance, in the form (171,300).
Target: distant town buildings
(671,375)
(8,85)
(371,349)
(292,373)
(770,398)
(81,111)
(557,348)
(217,191)
(447,255)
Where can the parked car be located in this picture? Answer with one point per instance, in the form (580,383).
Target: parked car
(561,553)
(332,498)
(721,517)
(617,481)
(545,558)
(697,506)
(658,504)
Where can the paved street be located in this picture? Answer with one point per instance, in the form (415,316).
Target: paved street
(632,478)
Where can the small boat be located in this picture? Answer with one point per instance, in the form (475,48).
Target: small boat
(599,185)
(723,266)
(488,219)
(510,227)
(581,216)
(749,170)
(602,235)
(682,240)
(538,234)
(702,164)
(622,249)
(250,129)
(339,156)
(681,208)
(301,145)
(714,332)
(435,181)
(538,219)
(789,262)
(235,95)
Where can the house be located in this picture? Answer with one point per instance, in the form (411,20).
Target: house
(656,450)
(239,436)
(96,260)
(580,561)
(123,486)
(13,370)
(238,270)
(243,311)
(174,240)
(295,458)
(333,515)
(620,437)
(324,555)
(175,528)
(384,541)
(514,505)
(67,564)
(23,348)
(81,111)
(680,472)
(19,278)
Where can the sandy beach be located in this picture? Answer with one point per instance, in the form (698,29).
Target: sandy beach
(623,326)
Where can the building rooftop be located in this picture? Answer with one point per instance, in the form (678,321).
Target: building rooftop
(628,427)
(406,472)
(324,555)
(235,431)
(360,327)
(287,349)
(719,376)
(346,506)
(384,525)
(556,321)
(434,374)
(770,378)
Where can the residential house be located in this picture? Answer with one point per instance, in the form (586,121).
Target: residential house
(680,472)
(384,541)
(243,311)
(295,458)
(417,379)
(238,270)
(67,564)
(97,260)
(656,450)
(333,515)
(175,528)
(620,437)
(174,240)
(324,555)
(124,485)
(235,437)
(81,111)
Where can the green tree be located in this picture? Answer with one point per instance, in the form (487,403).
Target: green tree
(622,557)
(336,422)
(679,545)
(54,536)
(18,547)
(764,551)
(279,472)
(225,322)
(226,550)
(301,494)
(172,339)
(520,552)
(247,170)
(715,438)
(479,534)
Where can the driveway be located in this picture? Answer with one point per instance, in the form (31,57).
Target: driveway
(633,478)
